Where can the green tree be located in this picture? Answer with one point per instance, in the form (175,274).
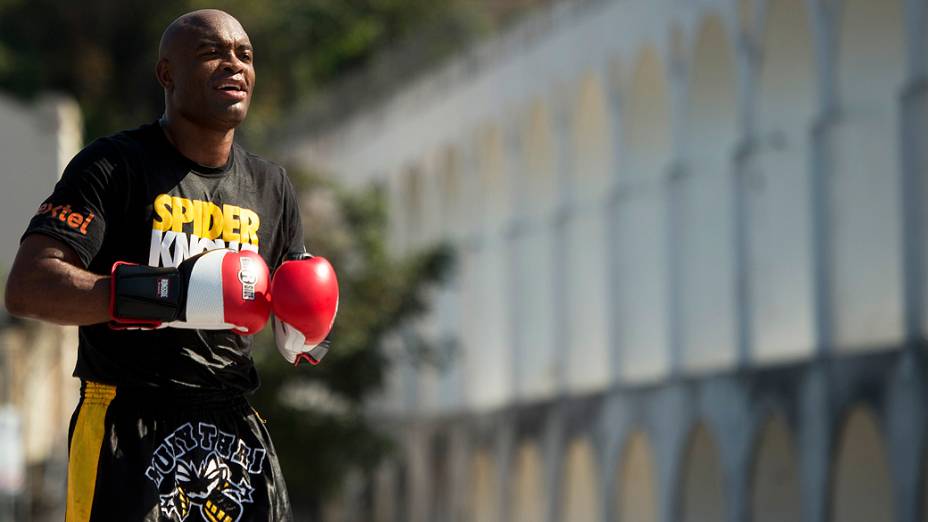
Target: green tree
(103,52)
(316,414)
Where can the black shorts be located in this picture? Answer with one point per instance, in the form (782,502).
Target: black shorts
(138,457)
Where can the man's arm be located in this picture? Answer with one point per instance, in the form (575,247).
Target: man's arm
(48,283)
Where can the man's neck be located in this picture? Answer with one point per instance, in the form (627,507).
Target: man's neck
(207,147)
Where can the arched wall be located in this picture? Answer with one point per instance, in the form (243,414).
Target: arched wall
(470,281)
(706,226)
(450,193)
(648,116)
(414,207)
(778,197)
(493,176)
(536,261)
(866,226)
(485,488)
(702,488)
(580,485)
(448,307)
(584,255)
(397,212)
(592,135)
(540,161)
(640,226)
(637,493)
(440,479)
(861,483)
(528,492)
(490,384)
(775,479)
(780,260)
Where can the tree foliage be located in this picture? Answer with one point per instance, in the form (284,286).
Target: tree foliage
(103,52)
(315,414)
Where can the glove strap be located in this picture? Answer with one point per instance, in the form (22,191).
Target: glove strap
(297,256)
(314,355)
(143,296)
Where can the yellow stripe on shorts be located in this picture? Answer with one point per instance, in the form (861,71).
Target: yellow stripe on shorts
(84,453)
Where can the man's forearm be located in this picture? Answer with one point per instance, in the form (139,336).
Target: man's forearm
(51,288)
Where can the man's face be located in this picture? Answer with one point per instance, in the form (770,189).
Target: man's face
(213,73)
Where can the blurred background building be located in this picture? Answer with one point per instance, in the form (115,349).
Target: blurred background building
(691,274)
(37,392)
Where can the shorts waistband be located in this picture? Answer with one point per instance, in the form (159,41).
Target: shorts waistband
(97,393)
(163,398)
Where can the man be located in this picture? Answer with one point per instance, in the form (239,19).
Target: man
(162,430)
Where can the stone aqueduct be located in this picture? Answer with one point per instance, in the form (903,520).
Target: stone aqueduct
(692,281)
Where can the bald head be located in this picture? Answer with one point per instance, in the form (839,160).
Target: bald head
(205,64)
(192,25)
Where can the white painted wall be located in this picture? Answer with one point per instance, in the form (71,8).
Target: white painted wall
(36,142)
(607,102)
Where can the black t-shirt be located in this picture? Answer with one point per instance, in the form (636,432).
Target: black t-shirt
(133,197)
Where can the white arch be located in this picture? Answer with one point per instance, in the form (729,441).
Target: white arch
(450,193)
(707,229)
(584,255)
(580,485)
(866,219)
(775,481)
(702,492)
(485,488)
(592,133)
(535,262)
(540,161)
(415,207)
(637,482)
(862,484)
(528,493)
(494,179)
(640,226)
(648,115)
(485,282)
(780,259)
(712,89)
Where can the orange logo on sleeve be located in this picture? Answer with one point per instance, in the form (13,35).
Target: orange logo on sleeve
(64,214)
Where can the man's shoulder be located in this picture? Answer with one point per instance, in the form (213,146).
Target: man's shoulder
(123,143)
(260,165)
(141,136)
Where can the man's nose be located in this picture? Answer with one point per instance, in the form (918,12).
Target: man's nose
(232,63)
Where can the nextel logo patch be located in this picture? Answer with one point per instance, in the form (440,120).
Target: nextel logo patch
(64,214)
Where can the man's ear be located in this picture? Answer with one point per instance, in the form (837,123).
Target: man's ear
(163,72)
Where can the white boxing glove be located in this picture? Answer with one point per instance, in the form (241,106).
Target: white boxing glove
(216,290)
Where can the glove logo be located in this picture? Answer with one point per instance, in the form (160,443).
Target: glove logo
(248,277)
(163,288)
(204,476)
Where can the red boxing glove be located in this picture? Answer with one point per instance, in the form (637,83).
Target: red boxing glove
(304,296)
(216,290)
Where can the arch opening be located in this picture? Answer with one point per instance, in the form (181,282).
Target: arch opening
(861,489)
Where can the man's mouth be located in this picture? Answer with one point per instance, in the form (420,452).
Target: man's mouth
(233,89)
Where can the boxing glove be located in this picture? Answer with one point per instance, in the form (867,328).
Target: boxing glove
(304,297)
(216,290)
